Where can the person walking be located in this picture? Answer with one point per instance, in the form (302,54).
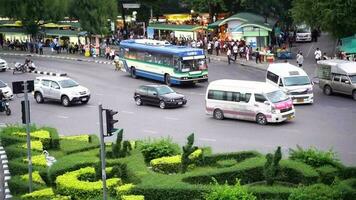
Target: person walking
(40,46)
(325,57)
(317,54)
(247,53)
(217,47)
(235,50)
(228,54)
(257,54)
(300,59)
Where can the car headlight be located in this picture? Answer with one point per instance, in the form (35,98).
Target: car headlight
(273,110)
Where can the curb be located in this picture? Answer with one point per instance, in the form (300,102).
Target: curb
(44,72)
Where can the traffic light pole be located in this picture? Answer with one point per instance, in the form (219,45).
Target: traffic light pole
(102,150)
(28,137)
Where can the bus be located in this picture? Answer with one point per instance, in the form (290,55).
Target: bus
(161,61)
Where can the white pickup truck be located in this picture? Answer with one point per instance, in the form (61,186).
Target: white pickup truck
(337,76)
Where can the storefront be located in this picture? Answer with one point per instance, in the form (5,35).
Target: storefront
(13,31)
(348,47)
(168,31)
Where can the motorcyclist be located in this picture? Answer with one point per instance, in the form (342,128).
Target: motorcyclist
(29,64)
(2,97)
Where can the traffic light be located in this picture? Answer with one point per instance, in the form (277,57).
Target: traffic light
(110,121)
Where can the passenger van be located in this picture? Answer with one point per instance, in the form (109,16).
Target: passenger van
(292,80)
(248,100)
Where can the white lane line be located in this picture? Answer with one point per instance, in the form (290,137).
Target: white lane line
(171,118)
(98,94)
(195,93)
(88,106)
(62,117)
(127,112)
(2,125)
(208,139)
(150,131)
(311,46)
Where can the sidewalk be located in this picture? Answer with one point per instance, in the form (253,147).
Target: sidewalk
(242,62)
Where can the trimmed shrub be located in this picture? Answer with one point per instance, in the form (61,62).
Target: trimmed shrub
(36,178)
(227,192)
(46,193)
(14,152)
(76,146)
(272,169)
(35,145)
(238,156)
(169,192)
(347,188)
(315,157)
(226,163)
(297,172)
(348,172)
(54,137)
(187,150)
(18,185)
(18,167)
(124,189)
(274,192)
(82,138)
(42,135)
(7,140)
(158,148)
(327,174)
(38,160)
(133,197)
(315,192)
(69,184)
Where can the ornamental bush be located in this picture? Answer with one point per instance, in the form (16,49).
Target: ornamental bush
(314,157)
(238,156)
(69,184)
(82,138)
(124,189)
(35,145)
(38,160)
(158,148)
(46,193)
(315,192)
(327,174)
(36,178)
(18,185)
(133,197)
(227,192)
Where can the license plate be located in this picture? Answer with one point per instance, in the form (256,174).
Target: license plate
(180,103)
(195,81)
(290,117)
(84,99)
(300,100)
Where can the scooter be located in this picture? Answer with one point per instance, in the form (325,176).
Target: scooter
(22,68)
(4,107)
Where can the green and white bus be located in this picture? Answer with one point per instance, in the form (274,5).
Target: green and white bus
(161,61)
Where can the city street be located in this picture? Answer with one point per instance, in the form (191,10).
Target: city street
(328,123)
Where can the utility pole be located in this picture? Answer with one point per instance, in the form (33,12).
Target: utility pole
(28,137)
(102,150)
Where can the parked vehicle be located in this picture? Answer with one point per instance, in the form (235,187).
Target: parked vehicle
(159,95)
(248,100)
(62,89)
(292,80)
(303,34)
(6,90)
(337,76)
(3,65)
(5,106)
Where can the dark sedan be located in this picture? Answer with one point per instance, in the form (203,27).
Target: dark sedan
(160,95)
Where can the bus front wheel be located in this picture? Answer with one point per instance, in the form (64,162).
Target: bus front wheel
(167,80)
(133,72)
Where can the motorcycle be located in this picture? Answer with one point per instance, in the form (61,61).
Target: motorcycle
(5,107)
(23,68)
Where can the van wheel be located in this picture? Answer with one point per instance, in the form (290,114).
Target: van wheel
(167,80)
(218,114)
(354,95)
(133,72)
(327,90)
(38,97)
(261,119)
(65,101)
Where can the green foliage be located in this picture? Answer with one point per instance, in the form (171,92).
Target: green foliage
(187,150)
(348,172)
(347,188)
(124,189)
(297,172)
(158,148)
(226,163)
(238,156)
(39,160)
(36,178)
(120,148)
(274,192)
(272,169)
(169,192)
(69,184)
(133,197)
(18,185)
(70,146)
(39,194)
(82,138)
(227,192)
(314,157)
(327,174)
(315,192)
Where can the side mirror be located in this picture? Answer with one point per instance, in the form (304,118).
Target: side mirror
(267,103)
(347,82)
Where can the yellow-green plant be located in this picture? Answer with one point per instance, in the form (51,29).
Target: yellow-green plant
(83,138)
(35,145)
(133,197)
(124,189)
(36,178)
(38,160)
(46,193)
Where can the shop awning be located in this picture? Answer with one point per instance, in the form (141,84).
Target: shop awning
(216,24)
(174,27)
(348,45)
(58,32)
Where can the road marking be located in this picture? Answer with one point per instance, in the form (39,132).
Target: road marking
(98,94)
(62,117)
(171,118)
(91,106)
(2,125)
(310,49)
(127,112)
(150,131)
(195,93)
(208,139)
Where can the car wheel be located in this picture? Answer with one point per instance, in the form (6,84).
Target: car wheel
(8,111)
(38,97)
(218,114)
(162,105)
(65,101)
(133,72)
(167,80)
(138,101)
(354,95)
(327,90)
(85,102)
(261,119)
(3,70)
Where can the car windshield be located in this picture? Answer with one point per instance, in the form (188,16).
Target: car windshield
(303,30)
(277,96)
(296,80)
(353,79)
(164,90)
(2,84)
(68,83)
(193,65)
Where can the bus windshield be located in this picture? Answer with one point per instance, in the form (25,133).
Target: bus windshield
(296,80)
(193,65)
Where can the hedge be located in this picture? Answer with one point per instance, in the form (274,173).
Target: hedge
(348,172)
(18,185)
(133,197)
(270,192)
(46,193)
(14,152)
(124,189)
(172,192)
(327,174)
(238,156)
(36,178)
(298,172)
(347,188)
(70,146)
(69,184)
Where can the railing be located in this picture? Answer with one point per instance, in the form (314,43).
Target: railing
(4,176)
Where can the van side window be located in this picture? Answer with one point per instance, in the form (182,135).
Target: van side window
(272,77)
(223,95)
(337,78)
(245,97)
(216,94)
(344,79)
(260,98)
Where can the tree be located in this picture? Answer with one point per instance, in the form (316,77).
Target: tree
(212,6)
(187,150)
(93,15)
(272,167)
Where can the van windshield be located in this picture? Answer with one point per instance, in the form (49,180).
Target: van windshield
(296,80)
(353,79)
(277,96)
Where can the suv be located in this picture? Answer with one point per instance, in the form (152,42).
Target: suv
(3,65)
(160,95)
(62,89)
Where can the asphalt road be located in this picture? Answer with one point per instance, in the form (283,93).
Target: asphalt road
(328,123)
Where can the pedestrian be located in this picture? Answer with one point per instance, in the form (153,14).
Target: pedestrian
(40,46)
(112,54)
(247,53)
(325,57)
(217,47)
(228,54)
(235,50)
(209,48)
(300,59)
(317,54)
(107,52)
(257,54)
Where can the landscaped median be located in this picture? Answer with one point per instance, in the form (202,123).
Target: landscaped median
(159,169)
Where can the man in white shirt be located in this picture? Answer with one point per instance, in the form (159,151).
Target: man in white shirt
(300,59)
(317,54)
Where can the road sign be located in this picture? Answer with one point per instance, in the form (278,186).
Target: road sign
(131,5)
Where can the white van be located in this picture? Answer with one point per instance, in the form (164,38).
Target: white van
(292,80)
(248,100)
(303,34)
